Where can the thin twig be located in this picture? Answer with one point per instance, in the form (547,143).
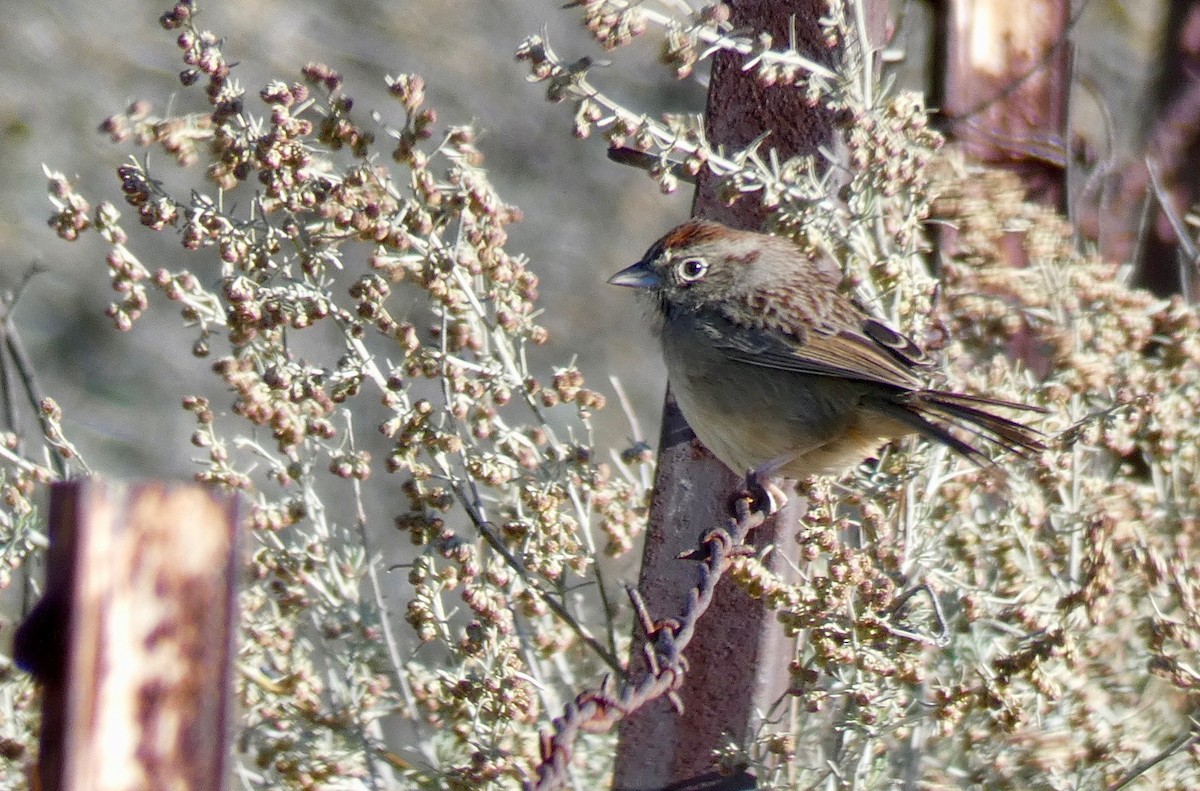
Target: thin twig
(389,638)
(624,155)
(33,393)
(1181,743)
(1187,265)
(496,543)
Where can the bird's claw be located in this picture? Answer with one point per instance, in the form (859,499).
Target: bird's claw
(762,493)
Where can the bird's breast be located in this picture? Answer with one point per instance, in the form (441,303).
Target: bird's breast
(752,415)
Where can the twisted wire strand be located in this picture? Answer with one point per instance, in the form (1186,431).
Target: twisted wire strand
(597,710)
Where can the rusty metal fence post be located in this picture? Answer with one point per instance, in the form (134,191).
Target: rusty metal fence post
(1006,82)
(133,640)
(738,659)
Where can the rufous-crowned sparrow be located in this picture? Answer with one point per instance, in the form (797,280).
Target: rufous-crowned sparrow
(779,373)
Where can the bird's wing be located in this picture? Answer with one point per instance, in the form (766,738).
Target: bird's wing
(872,353)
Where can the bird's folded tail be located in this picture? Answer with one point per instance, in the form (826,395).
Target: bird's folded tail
(969,413)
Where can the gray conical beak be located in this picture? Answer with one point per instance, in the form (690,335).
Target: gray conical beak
(640,275)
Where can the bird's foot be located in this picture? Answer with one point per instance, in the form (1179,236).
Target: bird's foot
(762,492)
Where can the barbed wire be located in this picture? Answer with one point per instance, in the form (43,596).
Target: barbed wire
(597,710)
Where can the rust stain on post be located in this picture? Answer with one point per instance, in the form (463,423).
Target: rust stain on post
(738,659)
(144,579)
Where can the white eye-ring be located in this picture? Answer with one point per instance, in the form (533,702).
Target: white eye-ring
(691,269)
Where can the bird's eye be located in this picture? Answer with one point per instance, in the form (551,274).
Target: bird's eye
(691,269)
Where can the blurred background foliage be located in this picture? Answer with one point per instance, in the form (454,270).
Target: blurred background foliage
(68,65)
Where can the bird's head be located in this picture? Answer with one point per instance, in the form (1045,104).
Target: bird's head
(697,263)
(702,264)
